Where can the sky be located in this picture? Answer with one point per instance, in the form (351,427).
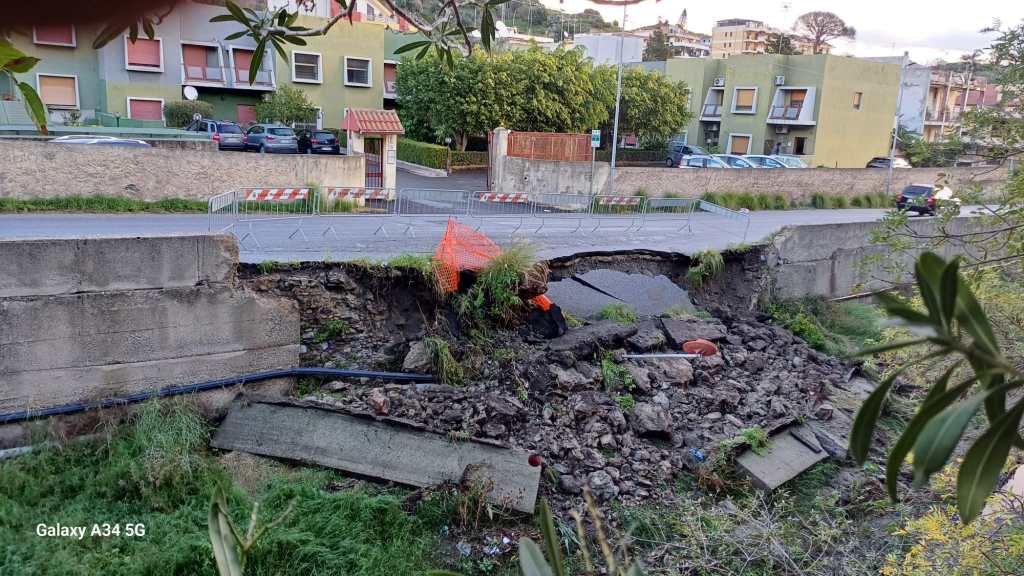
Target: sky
(928,30)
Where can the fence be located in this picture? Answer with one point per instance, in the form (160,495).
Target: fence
(247,207)
(550,146)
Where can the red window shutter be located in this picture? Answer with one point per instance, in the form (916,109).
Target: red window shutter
(145,110)
(243,59)
(144,52)
(55,34)
(195,62)
(246,114)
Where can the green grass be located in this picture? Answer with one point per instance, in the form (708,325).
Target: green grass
(615,375)
(445,366)
(626,402)
(571,321)
(820,200)
(836,328)
(494,297)
(158,472)
(707,264)
(100,204)
(621,313)
(330,330)
(422,262)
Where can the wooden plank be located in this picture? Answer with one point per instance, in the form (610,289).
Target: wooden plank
(789,453)
(375,449)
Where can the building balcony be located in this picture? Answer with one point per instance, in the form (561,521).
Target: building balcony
(226,77)
(713,111)
(790,112)
(942,116)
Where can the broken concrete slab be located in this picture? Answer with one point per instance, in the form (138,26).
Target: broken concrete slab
(788,454)
(375,448)
(649,336)
(679,331)
(584,342)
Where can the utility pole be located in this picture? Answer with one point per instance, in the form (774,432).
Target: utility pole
(618,100)
(896,125)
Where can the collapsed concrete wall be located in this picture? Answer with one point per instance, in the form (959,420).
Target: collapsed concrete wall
(45,170)
(89,319)
(835,260)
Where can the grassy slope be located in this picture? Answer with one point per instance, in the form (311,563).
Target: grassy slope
(100,204)
(158,472)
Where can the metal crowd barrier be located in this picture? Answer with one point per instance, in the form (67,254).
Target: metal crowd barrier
(265,204)
(671,210)
(740,216)
(617,207)
(561,207)
(485,205)
(346,202)
(426,202)
(222,211)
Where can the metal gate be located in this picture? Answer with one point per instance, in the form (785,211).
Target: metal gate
(374,150)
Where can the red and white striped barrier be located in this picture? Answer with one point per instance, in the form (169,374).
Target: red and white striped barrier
(356,193)
(515,198)
(275,194)
(619,200)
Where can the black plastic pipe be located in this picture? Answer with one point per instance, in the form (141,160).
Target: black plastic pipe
(76,407)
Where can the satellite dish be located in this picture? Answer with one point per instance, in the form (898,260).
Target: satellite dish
(190,93)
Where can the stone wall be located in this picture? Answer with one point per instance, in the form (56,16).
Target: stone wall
(797,185)
(833,260)
(38,170)
(83,320)
(520,175)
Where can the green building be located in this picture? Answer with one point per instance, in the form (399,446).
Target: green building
(832,111)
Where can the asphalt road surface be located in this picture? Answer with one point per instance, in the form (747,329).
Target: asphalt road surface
(376,237)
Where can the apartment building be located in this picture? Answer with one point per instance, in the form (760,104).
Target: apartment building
(830,110)
(738,36)
(128,82)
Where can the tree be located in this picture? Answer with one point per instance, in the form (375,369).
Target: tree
(653,107)
(781,43)
(822,27)
(287,105)
(14,61)
(657,48)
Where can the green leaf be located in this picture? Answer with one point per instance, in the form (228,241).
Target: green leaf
(223,537)
(975,321)
(257,60)
(889,347)
(224,18)
(928,270)
(276,42)
(948,287)
(983,462)
(236,11)
(896,307)
(236,35)
(21,65)
(547,526)
(867,417)
(297,40)
(938,399)
(531,560)
(282,17)
(8,52)
(442,573)
(147,27)
(34,105)
(133,31)
(108,33)
(412,46)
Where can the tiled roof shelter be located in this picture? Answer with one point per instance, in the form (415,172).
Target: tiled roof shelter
(363,121)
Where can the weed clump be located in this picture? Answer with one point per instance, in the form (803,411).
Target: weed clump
(330,330)
(621,313)
(445,366)
(614,375)
(494,300)
(709,263)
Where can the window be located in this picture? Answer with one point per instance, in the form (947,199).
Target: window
(145,109)
(858,97)
(58,91)
(390,77)
(201,63)
(357,72)
(744,100)
(144,55)
(55,35)
(306,67)
(739,144)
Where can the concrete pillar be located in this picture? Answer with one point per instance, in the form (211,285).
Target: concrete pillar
(390,152)
(498,152)
(355,143)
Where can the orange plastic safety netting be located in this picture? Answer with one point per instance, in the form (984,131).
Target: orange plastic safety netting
(461,248)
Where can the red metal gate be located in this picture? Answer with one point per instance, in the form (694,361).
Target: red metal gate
(374,149)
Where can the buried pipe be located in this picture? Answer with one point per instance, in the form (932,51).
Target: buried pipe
(76,407)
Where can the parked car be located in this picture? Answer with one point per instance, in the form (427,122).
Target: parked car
(762,161)
(677,151)
(101,140)
(791,161)
(925,198)
(271,138)
(318,142)
(227,135)
(735,161)
(703,162)
(883,162)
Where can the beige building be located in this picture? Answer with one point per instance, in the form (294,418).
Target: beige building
(742,36)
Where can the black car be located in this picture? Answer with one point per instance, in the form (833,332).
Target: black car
(924,198)
(318,142)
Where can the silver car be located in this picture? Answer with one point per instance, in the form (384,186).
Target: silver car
(762,161)
(735,161)
(791,161)
(271,138)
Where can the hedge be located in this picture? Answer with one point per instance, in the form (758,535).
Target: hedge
(633,155)
(179,114)
(465,159)
(422,153)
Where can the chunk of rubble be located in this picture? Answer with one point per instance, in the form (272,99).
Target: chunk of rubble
(680,331)
(789,453)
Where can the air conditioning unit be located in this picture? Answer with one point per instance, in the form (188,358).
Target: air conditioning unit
(719,83)
(780,80)
(782,129)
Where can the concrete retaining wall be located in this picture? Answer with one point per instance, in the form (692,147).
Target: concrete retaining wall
(834,260)
(85,320)
(39,170)
(521,175)
(796,185)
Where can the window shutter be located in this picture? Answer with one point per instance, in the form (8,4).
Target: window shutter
(55,34)
(57,91)
(307,67)
(740,144)
(145,110)
(243,60)
(744,98)
(144,52)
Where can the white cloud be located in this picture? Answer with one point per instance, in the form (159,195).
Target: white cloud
(938,29)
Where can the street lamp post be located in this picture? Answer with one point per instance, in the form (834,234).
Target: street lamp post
(618,101)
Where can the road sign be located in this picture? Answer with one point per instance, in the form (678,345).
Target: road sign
(595,138)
